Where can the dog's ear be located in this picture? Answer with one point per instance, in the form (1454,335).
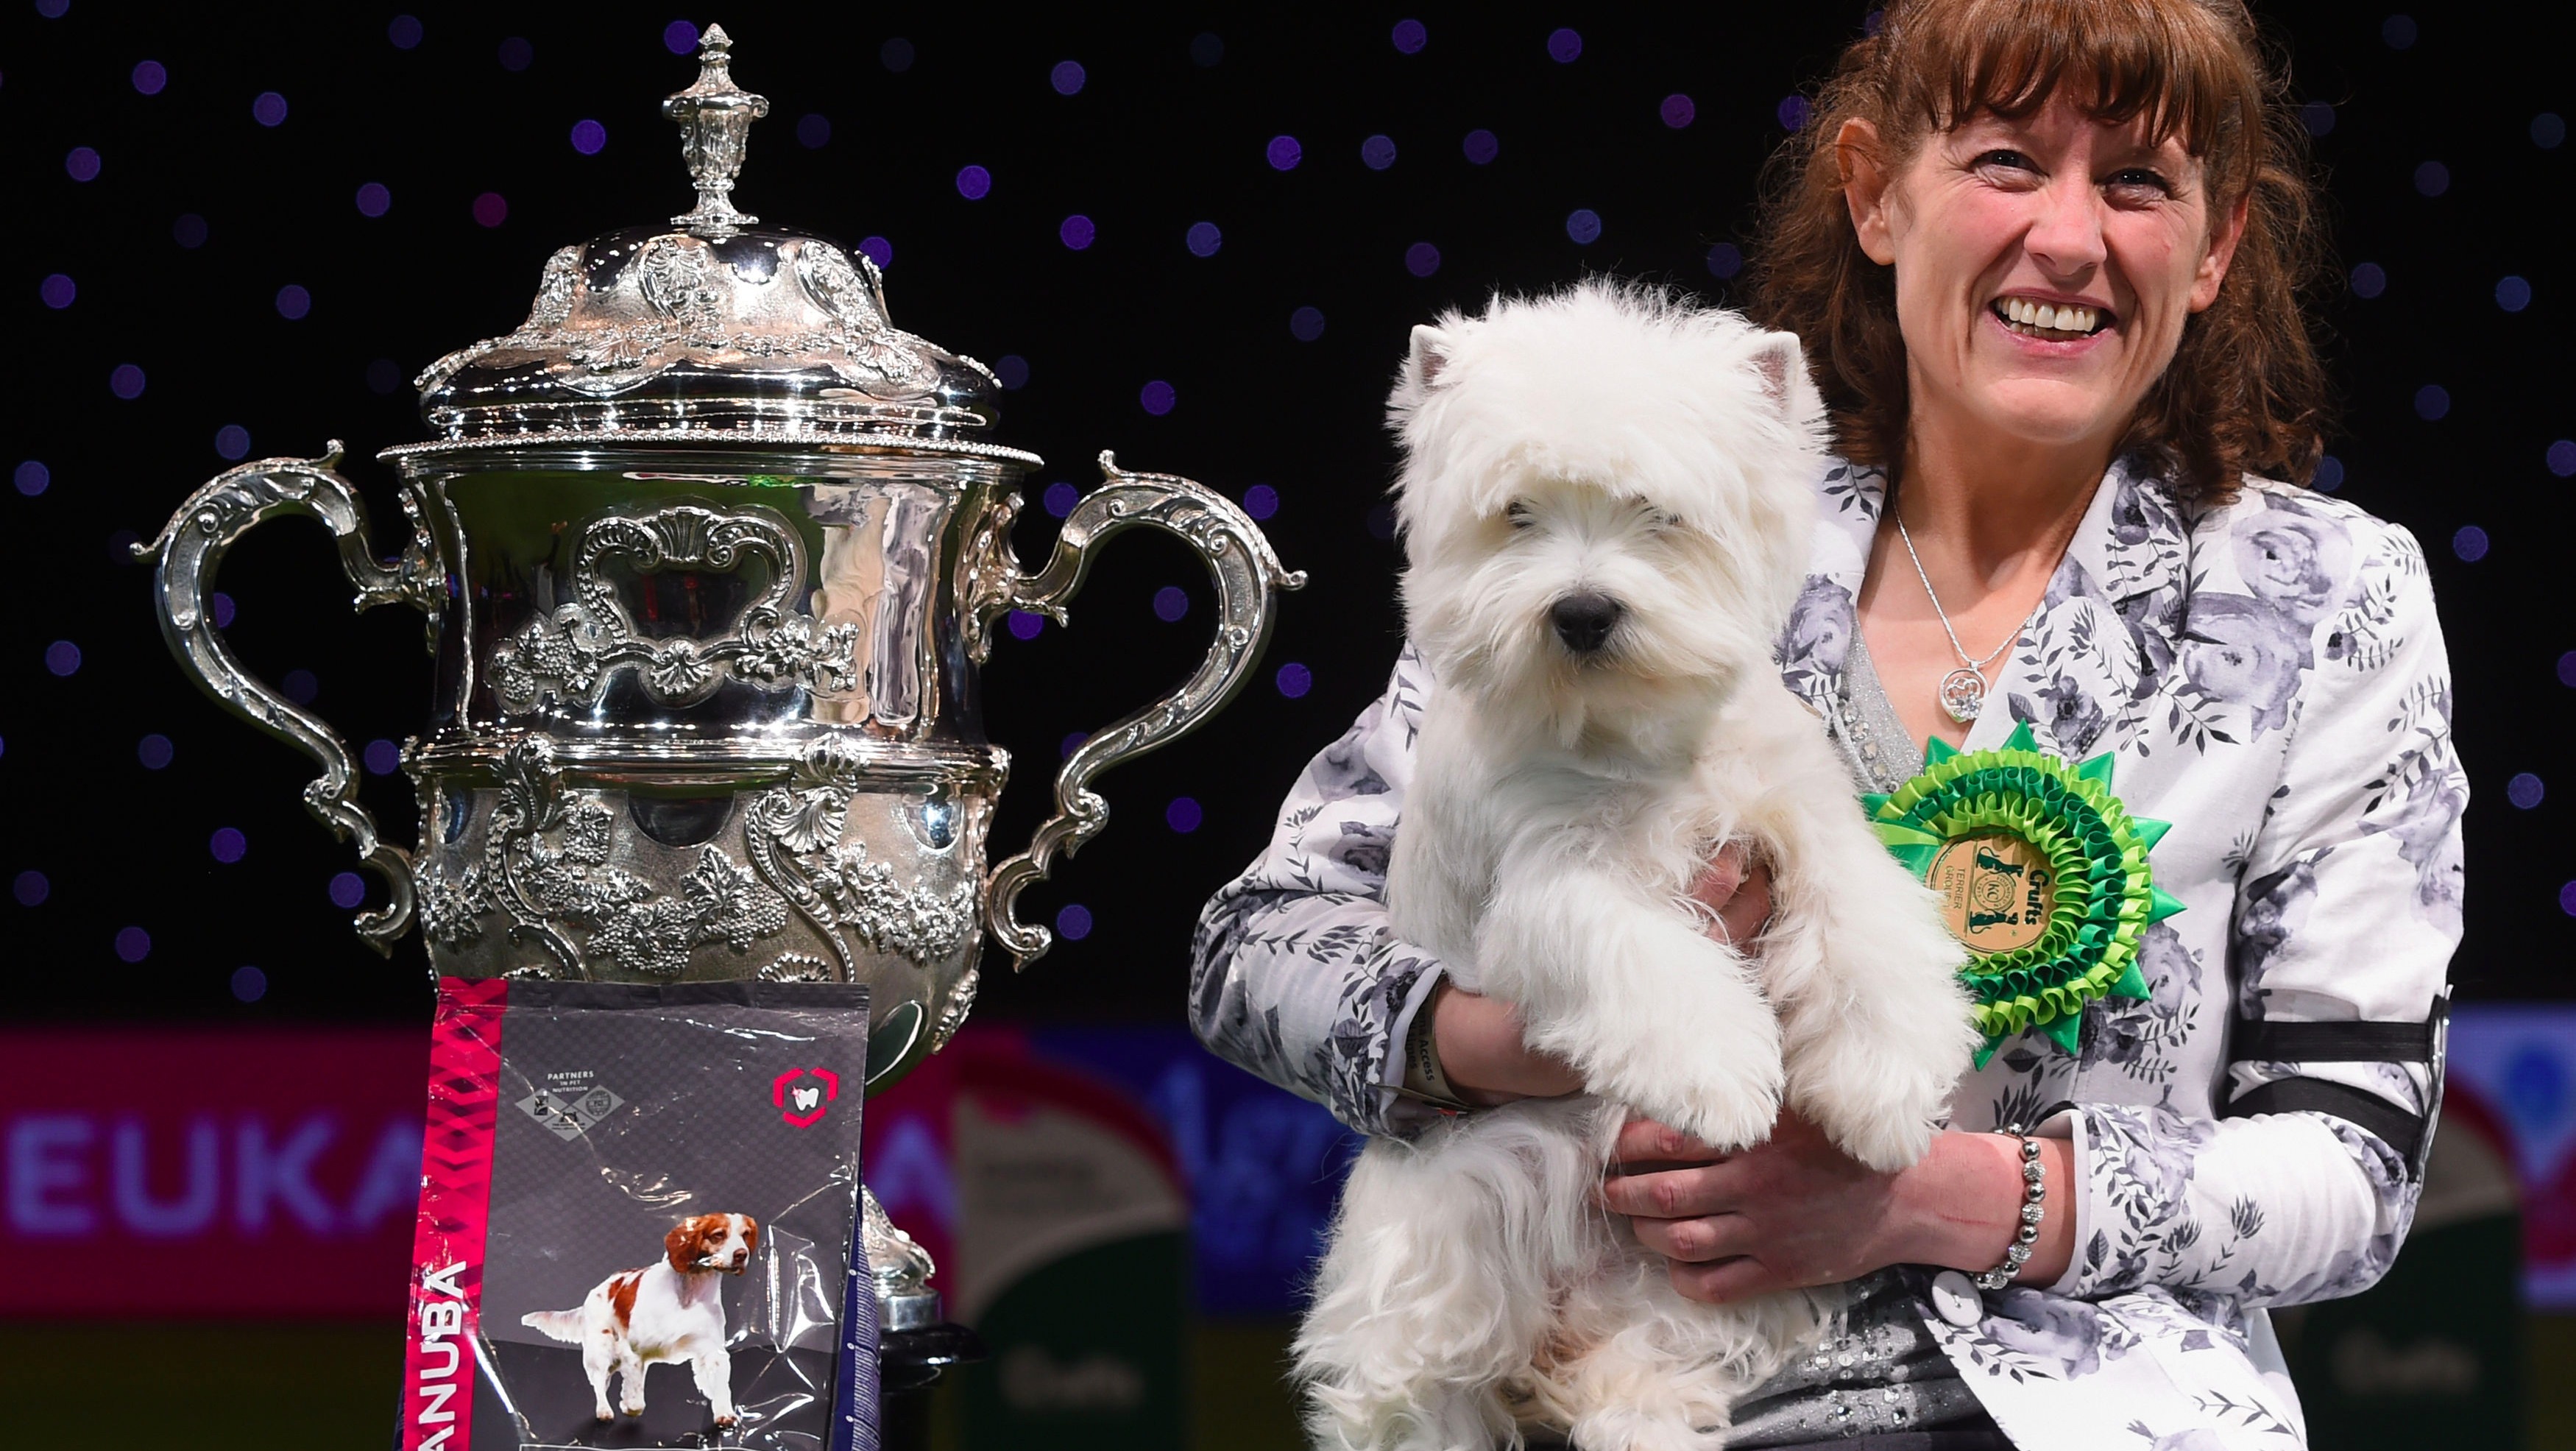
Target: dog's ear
(750,1233)
(1781,364)
(1428,358)
(686,1244)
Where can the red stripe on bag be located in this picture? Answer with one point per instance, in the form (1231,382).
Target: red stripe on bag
(455,1198)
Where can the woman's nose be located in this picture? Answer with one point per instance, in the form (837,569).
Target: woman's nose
(2066,237)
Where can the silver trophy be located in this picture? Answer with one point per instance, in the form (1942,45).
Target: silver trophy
(709,553)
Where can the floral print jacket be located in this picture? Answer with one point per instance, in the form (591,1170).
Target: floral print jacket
(2271,676)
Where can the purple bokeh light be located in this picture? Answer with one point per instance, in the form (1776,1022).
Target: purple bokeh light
(1183,815)
(1073,922)
(227,845)
(31,888)
(1077,232)
(1157,397)
(293,302)
(1564,46)
(2432,178)
(155,752)
(133,944)
(1060,497)
(63,657)
(517,54)
(814,129)
(1725,260)
(1306,324)
(1410,36)
(231,442)
(2561,458)
(491,209)
(58,291)
(1584,225)
(2369,280)
(2470,543)
(974,183)
(878,250)
(679,37)
(374,200)
(1422,259)
(2329,474)
(1261,501)
(403,31)
(150,76)
(1171,602)
(224,610)
(1294,680)
(1025,624)
(1011,371)
(1067,77)
(2513,294)
(588,136)
(189,230)
(2399,31)
(268,108)
(32,477)
(383,757)
(1793,112)
(2318,117)
(1378,153)
(2432,402)
(249,984)
(81,163)
(1204,239)
(347,890)
(897,55)
(1284,153)
(2525,790)
(126,381)
(1678,111)
(1481,147)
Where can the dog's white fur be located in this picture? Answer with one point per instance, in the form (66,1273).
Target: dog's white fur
(671,1310)
(1613,442)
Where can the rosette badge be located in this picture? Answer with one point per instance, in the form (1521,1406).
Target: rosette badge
(2042,875)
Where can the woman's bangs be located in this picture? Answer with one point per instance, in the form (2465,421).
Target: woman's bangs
(2170,63)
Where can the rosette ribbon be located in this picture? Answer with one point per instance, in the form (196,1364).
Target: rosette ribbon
(2104,891)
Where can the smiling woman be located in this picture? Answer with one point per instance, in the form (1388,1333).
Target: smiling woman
(2047,259)
(2205,143)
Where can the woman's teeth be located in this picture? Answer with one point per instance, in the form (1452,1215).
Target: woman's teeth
(2041,320)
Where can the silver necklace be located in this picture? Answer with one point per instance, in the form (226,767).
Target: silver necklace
(1963,691)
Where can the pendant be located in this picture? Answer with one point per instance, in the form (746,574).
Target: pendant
(1963,694)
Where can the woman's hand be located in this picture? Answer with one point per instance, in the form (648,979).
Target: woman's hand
(1479,1038)
(1794,1211)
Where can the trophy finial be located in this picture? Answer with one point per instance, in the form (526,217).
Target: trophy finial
(715,117)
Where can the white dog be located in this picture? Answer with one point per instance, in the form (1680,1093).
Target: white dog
(1607,504)
(671,1310)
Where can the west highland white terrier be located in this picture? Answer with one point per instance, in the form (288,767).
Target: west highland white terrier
(1607,503)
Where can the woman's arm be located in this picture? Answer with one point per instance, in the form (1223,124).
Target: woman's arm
(1296,976)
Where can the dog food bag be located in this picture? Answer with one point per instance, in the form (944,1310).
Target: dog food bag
(638,1220)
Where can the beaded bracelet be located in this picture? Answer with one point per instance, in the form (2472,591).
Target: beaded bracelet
(2034,1195)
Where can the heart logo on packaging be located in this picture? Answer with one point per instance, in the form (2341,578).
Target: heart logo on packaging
(802,1104)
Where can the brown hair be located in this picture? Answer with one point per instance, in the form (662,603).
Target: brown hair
(2245,392)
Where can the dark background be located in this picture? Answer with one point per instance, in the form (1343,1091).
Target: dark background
(487,99)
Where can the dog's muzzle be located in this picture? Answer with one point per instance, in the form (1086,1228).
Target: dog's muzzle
(1584,621)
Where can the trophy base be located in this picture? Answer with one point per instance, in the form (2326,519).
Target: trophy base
(912,1360)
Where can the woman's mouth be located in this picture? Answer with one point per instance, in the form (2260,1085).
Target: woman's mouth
(2054,323)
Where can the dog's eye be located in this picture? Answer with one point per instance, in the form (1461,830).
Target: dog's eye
(1520,516)
(1657,521)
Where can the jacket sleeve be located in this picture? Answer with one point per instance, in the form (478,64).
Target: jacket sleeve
(2346,917)
(1296,976)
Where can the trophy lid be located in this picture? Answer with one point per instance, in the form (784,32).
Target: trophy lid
(714,329)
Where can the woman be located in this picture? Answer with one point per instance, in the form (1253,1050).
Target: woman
(2046,258)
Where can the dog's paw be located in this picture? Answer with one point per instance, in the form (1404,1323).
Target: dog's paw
(604,1415)
(1885,1130)
(724,1420)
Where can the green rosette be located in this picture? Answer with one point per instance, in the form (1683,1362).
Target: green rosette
(2103,892)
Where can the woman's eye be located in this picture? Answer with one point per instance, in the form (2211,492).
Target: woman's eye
(2006,158)
(2139,176)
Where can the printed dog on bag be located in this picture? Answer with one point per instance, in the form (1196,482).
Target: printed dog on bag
(1607,508)
(671,1310)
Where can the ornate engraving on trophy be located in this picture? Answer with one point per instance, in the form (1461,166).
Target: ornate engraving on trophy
(571,655)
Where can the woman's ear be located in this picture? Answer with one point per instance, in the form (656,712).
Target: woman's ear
(2222,251)
(1865,187)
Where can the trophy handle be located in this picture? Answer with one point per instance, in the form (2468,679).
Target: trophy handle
(1246,573)
(191,548)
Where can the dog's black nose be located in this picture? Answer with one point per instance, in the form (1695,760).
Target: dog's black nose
(1584,621)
